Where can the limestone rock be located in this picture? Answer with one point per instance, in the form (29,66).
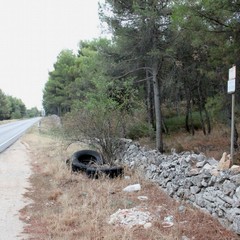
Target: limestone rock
(147,225)
(206,183)
(132,188)
(236,225)
(225,162)
(235,169)
(130,217)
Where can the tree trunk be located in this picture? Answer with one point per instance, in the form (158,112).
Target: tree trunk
(150,108)
(157,103)
(235,143)
(209,129)
(189,127)
(202,120)
(202,109)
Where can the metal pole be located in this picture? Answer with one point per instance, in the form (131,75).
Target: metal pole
(232,129)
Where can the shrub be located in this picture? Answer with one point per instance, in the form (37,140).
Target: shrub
(177,123)
(140,130)
(100,129)
(215,106)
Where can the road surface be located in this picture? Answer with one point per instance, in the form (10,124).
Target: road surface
(15,170)
(10,132)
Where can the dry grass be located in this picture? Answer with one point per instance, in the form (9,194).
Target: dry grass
(71,206)
(7,121)
(213,145)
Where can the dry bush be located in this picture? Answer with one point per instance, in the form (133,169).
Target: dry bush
(72,206)
(212,145)
(101,130)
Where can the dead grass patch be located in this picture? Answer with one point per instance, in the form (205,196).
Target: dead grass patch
(213,145)
(72,206)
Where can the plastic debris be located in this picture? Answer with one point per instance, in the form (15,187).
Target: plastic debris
(142,198)
(168,222)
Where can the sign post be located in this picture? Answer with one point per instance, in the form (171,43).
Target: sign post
(231,90)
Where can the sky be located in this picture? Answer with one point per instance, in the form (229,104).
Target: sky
(32,34)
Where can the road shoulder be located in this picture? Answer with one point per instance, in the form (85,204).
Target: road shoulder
(15,170)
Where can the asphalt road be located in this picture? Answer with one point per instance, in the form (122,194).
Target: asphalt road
(11,132)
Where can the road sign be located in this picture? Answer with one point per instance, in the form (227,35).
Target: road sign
(231,86)
(232,73)
(232,80)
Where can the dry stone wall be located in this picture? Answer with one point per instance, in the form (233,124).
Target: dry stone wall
(190,177)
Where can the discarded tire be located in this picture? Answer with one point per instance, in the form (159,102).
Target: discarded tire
(111,172)
(81,160)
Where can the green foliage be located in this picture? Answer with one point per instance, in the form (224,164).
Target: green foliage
(215,106)
(18,109)
(58,92)
(5,108)
(33,112)
(11,107)
(175,124)
(182,49)
(74,77)
(140,130)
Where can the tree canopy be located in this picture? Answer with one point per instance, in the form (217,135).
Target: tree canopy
(11,107)
(171,56)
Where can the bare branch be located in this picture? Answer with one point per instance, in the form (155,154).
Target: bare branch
(145,79)
(135,70)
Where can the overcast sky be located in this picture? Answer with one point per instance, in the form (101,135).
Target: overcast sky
(32,34)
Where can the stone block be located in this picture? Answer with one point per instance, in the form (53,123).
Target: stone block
(225,162)
(236,224)
(228,187)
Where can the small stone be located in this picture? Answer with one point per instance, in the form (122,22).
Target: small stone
(132,188)
(236,224)
(195,189)
(238,193)
(181,208)
(214,172)
(228,187)
(200,164)
(235,169)
(193,172)
(147,225)
(130,217)
(212,162)
(142,198)
(207,166)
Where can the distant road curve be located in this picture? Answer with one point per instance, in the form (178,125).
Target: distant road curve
(11,132)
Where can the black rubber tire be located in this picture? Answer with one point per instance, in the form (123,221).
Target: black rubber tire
(111,172)
(81,159)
